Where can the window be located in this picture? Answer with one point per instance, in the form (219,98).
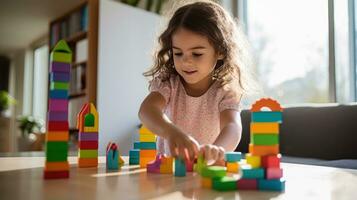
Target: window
(290,41)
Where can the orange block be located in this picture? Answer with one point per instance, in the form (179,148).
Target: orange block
(57,136)
(206,182)
(57,166)
(87,162)
(166,166)
(145,160)
(273,105)
(261,150)
(232,167)
(147,153)
(264,128)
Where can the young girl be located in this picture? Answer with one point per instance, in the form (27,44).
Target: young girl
(197,84)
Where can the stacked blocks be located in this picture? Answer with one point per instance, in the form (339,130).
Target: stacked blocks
(87,124)
(232,161)
(263,170)
(145,149)
(114,161)
(56,165)
(163,165)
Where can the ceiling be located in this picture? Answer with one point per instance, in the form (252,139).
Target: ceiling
(24,21)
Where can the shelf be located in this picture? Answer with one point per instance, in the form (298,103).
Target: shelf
(76,64)
(76,95)
(76,37)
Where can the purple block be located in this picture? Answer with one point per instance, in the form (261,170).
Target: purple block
(83,136)
(58,105)
(60,67)
(57,116)
(59,77)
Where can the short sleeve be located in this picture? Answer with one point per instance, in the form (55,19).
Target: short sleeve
(230,100)
(162,87)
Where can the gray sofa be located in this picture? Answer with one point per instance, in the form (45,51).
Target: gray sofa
(322,135)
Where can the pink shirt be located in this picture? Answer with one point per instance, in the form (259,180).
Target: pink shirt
(196,116)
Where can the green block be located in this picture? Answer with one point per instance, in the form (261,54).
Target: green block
(62,46)
(214,172)
(200,165)
(264,139)
(87,153)
(56,146)
(224,183)
(265,116)
(61,57)
(59,86)
(56,156)
(89,120)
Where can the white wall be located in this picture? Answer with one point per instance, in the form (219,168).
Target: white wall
(127,36)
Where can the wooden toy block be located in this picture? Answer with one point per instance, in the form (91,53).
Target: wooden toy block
(272,185)
(233,156)
(144,130)
(60,67)
(59,77)
(89,120)
(154,166)
(80,117)
(147,153)
(112,160)
(83,136)
(56,166)
(267,117)
(206,182)
(225,183)
(189,165)
(88,144)
(61,57)
(214,171)
(87,153)
(87,162)
(58,105)
(134,161)
(271,161)
(253,161)
(56,156)
(147,138)
(94,112)
(59,86)
(180,167)
(247,184)
(86,109)
(264,139)
(56,146)
(260,150)
(144,161)
(166,165)
(62,46)
(232,167)
(273,173)
(264,128)
(252,173)
(201,163)
(57,136)
(273,105)
(57,126)
(57,116)
(58,94)
(134,153)
(144,145)
(55,174)
(121,161)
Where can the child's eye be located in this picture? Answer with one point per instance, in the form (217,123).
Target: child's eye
(178,54)
(197,54)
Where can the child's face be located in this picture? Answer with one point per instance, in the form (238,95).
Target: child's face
(194,57)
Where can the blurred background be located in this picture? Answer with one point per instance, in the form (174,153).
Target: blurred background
(305,53)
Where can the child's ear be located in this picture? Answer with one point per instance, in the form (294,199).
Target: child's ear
(220,57)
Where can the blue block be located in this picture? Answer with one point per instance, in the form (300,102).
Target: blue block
(112,160)
(134,161)
(58,94)
(233,156)
(134,153)
(256,173)
(272,184)
(144,145)
(267,116)
(59,77)
(180,167)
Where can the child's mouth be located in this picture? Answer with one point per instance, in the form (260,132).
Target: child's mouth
(190,72)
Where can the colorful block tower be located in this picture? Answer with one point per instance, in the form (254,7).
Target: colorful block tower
(263,171)
(56,164)
(145,149)
(87,124)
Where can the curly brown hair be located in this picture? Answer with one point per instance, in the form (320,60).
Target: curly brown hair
(224,34)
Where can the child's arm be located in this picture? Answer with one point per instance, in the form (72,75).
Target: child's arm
(151,114)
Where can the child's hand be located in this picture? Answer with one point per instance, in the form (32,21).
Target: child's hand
(182,145)
(213,154)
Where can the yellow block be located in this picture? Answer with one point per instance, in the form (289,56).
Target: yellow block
(144,130)
(166,166)
(206,182)
(232,167)
(61,57)
(57,136)
(57,166)
(254,161)
(262,150)
(261,128)
(147,138)
(144,161)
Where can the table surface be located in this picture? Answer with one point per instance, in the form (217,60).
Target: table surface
(22,178)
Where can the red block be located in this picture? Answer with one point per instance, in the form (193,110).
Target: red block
(271,161)
(247,184)
(55,174)
(88,144)
(57,126)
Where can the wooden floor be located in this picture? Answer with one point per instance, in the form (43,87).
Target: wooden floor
(21,178)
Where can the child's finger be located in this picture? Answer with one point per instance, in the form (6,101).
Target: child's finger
(173,150)
(221,153)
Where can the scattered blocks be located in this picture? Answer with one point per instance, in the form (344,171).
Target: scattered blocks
(134,156)
(166,165)
(206,182)
(180,167)
(112,156)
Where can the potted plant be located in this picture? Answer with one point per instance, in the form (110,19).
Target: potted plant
(32,130)
(5,101)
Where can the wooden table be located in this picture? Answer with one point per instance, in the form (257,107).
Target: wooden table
(21,178)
